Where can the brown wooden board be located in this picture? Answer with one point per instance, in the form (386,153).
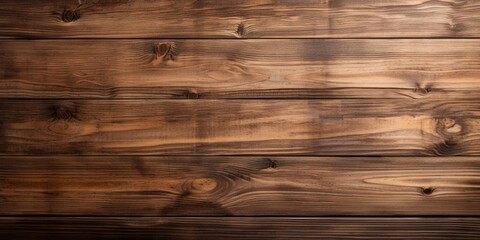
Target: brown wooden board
(239,19)
(376,68)
(239,119)
(239,186)
(408,127)
(237,228)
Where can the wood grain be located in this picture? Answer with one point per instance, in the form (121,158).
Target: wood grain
(239,19)
(251,119)
(228,127)
(238,228)
(239,186)
(435,69)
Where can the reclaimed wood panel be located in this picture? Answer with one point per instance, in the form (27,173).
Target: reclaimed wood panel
(75,228)
(413,68)
(229,127)
(258,119)
(239,186)
(239,19)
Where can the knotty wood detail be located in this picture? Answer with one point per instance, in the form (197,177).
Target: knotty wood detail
(235,127)
(442,69)
(258,119)
(234,19)
(239,186)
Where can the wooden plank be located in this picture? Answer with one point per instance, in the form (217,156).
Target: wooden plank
(412,68)
(239,186)
(238,228)
(239,19)
(237,127)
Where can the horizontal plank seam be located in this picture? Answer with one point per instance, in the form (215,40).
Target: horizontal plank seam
(20,99)
(239,216)
(232,38)
(235,155)
(189,99)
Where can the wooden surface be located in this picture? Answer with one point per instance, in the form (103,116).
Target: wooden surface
(251,119)
(406,127)
(155,68)
(239,228)
(239,186)
(239,19)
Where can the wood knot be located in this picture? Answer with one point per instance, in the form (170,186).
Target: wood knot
(70,16)
(272,163)
(192,94)
(451,126)
(165,51)
(422,90)
(61,113)
(455,27)
(203,185)
(428,191)
(241,30)
(451,132)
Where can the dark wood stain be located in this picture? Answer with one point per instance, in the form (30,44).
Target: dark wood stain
(232,19)
(239,119)
(237,127)
(238,228)
(239,186)
(215,69)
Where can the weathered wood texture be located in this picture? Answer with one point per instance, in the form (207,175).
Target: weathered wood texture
(239,186)
(234,19)
(228,127)
(238,228)
(375,68)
